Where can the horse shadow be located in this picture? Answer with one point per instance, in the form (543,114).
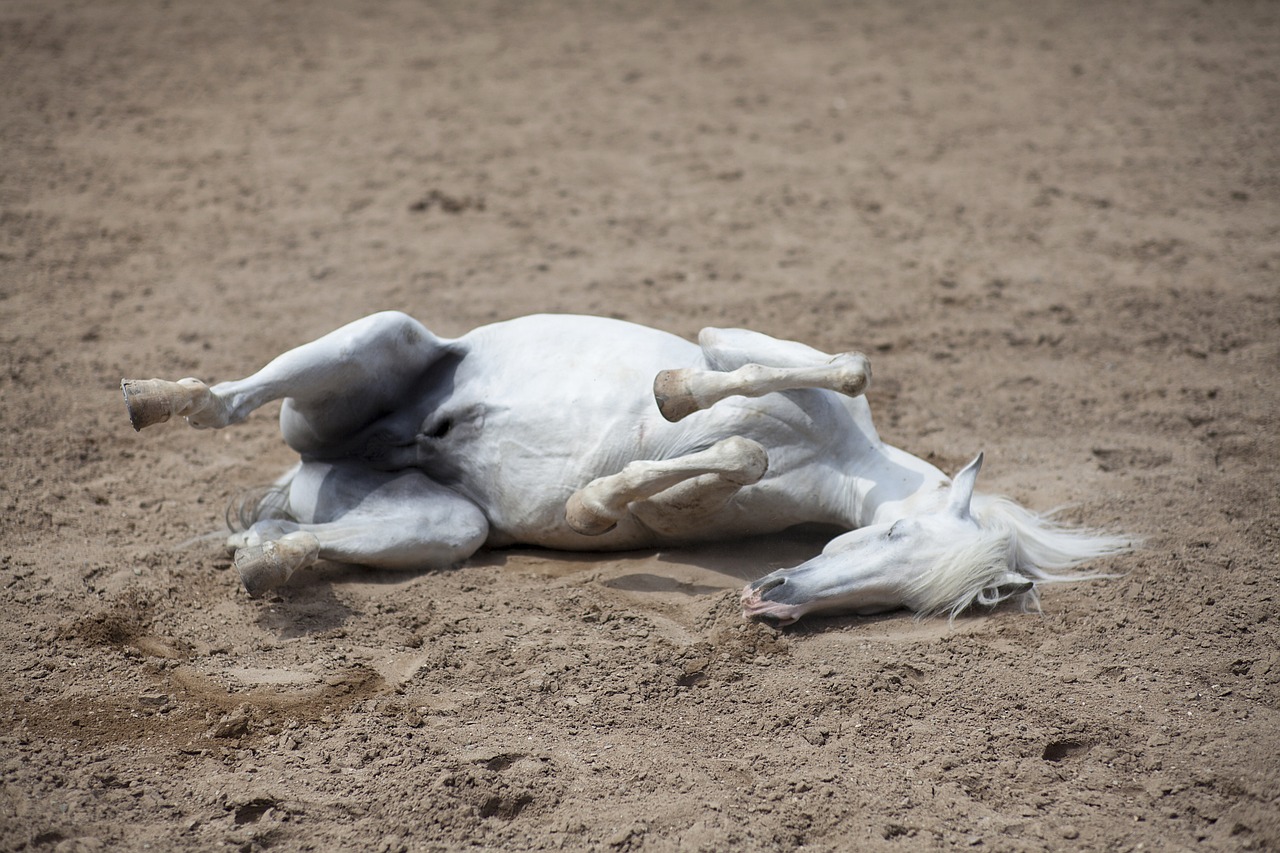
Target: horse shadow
(313,607)
(309,609)
(731,563)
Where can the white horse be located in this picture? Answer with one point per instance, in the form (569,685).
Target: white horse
(416,451)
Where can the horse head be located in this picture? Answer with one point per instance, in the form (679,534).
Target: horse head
(957,550)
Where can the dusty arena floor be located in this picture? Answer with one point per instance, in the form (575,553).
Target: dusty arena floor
(1055,227)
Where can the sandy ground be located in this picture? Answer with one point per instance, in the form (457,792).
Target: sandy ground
(1054,226)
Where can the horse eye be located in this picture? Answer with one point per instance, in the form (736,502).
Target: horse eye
(441,430)
(893,530)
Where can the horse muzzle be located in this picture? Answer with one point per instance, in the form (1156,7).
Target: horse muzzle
(767,600)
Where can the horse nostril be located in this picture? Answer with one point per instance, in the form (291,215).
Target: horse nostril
(771,583)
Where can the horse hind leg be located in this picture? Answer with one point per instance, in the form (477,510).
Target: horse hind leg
(715,474)
(748,364)
(335,385)
(348,514)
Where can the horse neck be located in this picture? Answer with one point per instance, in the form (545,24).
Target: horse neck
(890,484)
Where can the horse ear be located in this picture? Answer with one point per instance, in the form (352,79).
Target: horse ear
(962,488)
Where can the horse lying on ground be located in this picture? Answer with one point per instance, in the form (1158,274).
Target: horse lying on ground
(416,451)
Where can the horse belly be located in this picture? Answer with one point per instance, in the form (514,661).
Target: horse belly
(556,402)
(807,451)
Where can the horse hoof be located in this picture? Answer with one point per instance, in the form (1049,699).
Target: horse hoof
(585,520)
(264,567)
(671,391)
(154,401)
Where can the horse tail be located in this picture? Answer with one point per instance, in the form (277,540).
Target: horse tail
(260,503)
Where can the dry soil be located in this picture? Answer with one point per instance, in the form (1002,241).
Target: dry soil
(1054,226)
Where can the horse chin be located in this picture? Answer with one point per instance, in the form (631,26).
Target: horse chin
(775,613)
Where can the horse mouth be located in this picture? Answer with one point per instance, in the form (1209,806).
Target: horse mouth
(757,608)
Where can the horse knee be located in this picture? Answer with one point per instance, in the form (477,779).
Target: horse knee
(745,461)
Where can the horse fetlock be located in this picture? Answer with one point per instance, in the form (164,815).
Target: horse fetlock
(855,373)
(266,566)
(236,541)
(266,530)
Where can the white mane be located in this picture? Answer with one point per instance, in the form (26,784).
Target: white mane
(1014,551)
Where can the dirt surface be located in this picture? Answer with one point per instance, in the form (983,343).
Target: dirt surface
(1054,226)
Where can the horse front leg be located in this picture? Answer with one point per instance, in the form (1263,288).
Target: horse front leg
(709,476)
(749,364)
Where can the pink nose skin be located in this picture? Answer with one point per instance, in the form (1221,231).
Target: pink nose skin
(755,606)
